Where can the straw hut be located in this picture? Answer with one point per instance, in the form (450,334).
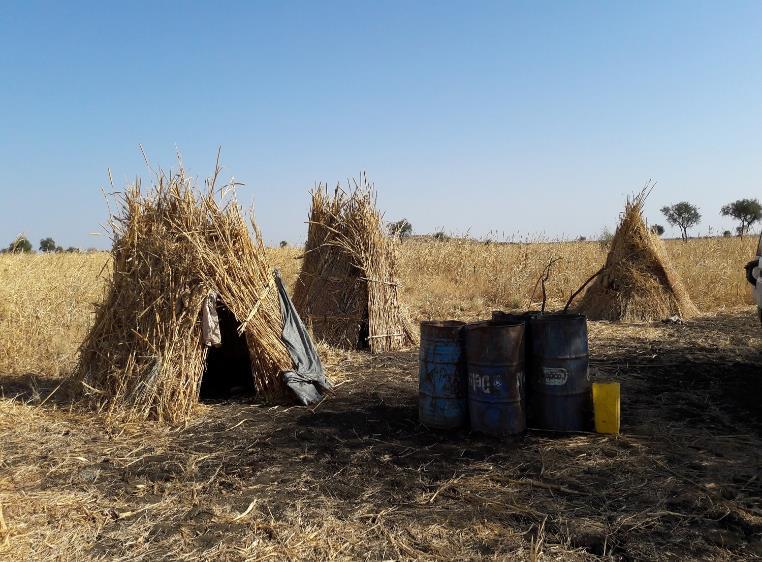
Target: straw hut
(638,282)
(178,250)
(347,290)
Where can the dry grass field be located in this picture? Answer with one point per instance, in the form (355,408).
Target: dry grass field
(46,300)
(463,279)
(357,477)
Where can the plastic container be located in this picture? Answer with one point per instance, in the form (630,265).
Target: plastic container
(606,407)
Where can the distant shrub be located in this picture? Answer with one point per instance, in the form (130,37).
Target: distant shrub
(746,211)
(47,245)
(683,215)
(21,245)
(402,228)
(605,237)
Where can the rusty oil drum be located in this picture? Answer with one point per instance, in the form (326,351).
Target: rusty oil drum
(500,317)
(442,391)
(559,381)
(495,360)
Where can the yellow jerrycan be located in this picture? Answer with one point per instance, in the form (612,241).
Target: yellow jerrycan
(606,407)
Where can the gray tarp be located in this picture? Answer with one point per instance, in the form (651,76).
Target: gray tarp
(307,380)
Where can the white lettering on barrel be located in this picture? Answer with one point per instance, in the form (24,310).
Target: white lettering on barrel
(480,383)
(555,376)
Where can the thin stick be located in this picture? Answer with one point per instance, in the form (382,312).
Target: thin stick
(543,278)
(49,395)
(585,284)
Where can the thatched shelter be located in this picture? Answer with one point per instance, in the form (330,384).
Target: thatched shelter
(347,290)
(175,248)
(638,282)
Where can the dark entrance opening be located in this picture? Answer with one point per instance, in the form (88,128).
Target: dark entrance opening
(364,327)
(228,367)
(364,335)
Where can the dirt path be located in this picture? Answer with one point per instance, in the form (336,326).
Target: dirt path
(359,478)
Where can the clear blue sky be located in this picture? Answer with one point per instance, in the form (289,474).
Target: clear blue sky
(528,118)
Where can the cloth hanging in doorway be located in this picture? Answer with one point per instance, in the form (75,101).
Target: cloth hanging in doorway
(307,381)
(210,321)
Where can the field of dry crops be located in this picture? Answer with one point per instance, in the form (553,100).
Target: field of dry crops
(463,279)
(358,478)
(46,300)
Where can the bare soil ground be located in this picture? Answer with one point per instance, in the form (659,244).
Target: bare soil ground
(359,478)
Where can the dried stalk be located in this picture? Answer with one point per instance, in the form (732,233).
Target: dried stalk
(171,247)
(348,282)
(639,282)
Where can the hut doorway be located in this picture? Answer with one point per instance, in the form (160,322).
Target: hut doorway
(364,335)
(227,373)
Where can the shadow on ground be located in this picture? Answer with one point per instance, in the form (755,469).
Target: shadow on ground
(681,481)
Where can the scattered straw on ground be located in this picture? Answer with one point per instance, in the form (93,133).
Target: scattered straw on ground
(358,478)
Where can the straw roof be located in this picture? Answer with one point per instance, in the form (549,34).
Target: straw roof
(638,282)
(172,246)
(347,290)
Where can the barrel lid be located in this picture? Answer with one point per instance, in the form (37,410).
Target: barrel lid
(557,316)
(493,324)
(501,316)
(443,323)
(478,323)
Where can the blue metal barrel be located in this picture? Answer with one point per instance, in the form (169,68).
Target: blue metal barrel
(442,392)
(561,391)
(495,359)
(500,317)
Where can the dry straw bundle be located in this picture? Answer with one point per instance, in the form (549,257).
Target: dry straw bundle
(347,290)
(173,246)
(638,282)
